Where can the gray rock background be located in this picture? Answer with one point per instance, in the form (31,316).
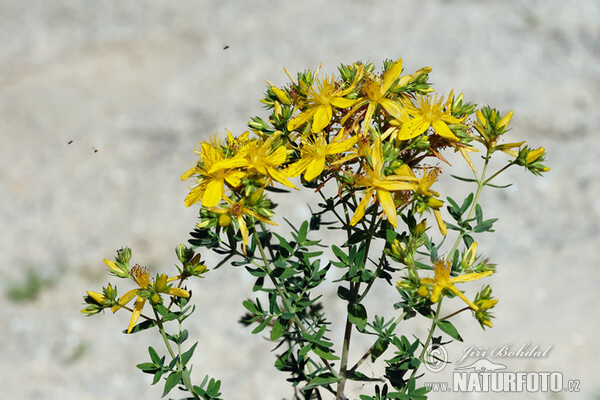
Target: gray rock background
(141,82)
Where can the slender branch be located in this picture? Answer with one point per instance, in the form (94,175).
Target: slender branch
(434,321)
(284,298)
(455,313)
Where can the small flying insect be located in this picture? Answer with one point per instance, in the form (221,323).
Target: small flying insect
(226,47)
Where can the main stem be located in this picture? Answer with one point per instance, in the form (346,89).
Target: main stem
(163,333)
(283,296)
(354,286)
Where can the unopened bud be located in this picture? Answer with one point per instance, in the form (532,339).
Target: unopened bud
(281,95)
(423,291)
(481,118)
(420,228)
(505,120)
(224,220)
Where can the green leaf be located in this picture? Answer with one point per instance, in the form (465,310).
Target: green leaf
(147,366)
(157,376)
(173,379)
(154,355)
(321,380)
(460,178)
(357,315)
(263,324)
(340,254)
(183,336)
(278,330)
(324,353)
(379,348)
(248,305)
(343,293)
(284,243)
(142,326)
(302,232)
(466,203)
(449,329)
(185,357)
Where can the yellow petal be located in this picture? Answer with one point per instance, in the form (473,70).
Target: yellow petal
(98,297)
(213,193)
(469,256)
(341,102)
(322,117)
(178,292)
(505,120)
(127,297)
(244,231)
(440,222)
(471,277)
(412,128)
(113,266)
(194,195)
(389,208)
(435,293)
(315,168)
(188,173)
(391,75)
(362,206)
(442,129)
(301,119)
(137,311)
(463,297)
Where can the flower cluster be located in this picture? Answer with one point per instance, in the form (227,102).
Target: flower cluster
(374,135)
(371,145)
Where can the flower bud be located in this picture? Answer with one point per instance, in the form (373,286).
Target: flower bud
(124,255)
(505,120)
(534,155)
(420,228)
(224,220)
(481,118)
(281,95)
(434,203)
(423,291)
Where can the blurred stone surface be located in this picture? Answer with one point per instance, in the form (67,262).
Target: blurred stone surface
(101,104)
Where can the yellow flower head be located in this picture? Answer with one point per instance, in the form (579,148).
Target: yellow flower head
(323,95)
(262,158)
(314,153)
(237,210)
(376,91)
(443,281)
(429,112)
(380,185)
(213,171)
(145,290)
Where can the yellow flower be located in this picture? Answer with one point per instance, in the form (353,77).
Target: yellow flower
(376,91)
(429,112)
(321,101)
(443,281)
(145,290)
(378,184)
(261,158)
(237,210)
(214,171)
(314,152)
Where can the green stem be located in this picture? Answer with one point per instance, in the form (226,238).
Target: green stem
(434,320)
(481,182)
(455,313)
(368,352)
(284,297)
(498,172)
(180,368)
(354,287)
